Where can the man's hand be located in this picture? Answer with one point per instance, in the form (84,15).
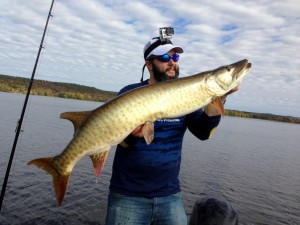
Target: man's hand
(146,130)
(232,90)
(138,132)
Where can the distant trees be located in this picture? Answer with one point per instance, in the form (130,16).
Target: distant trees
(55,89)
(263,116)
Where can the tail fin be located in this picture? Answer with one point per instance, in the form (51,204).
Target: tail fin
(60,182)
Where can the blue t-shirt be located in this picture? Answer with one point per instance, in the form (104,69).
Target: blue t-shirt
(153,170)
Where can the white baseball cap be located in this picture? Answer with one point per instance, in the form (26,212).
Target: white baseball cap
(156,47)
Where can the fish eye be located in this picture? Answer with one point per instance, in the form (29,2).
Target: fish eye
(228,68)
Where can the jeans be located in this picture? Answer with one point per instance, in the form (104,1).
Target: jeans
(124,210)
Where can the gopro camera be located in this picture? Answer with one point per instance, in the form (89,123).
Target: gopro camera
(166,33)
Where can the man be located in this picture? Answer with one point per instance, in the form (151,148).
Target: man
(144,185)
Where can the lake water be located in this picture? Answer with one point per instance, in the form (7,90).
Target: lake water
(255,162)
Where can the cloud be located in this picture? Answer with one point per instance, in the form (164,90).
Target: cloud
(100,43)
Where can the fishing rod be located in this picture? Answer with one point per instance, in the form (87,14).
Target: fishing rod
(19,124)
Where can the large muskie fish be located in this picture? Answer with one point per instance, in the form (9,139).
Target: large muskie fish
(96,131)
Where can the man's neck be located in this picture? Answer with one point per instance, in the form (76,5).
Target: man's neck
(152,80)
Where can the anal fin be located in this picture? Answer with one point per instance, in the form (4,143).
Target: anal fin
(98,160)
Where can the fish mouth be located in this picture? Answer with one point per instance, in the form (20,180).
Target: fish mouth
(229,76)
(241,68)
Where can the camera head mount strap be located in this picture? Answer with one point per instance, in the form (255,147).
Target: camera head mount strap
(155,45)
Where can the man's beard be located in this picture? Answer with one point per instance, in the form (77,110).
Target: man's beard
(162,75)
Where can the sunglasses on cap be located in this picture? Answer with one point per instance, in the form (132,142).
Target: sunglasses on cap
(167,58)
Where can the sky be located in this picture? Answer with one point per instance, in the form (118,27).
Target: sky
(99,43)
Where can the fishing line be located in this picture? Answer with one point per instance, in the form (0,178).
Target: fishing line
(19,123)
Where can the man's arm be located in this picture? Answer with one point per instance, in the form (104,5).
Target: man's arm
(203,123)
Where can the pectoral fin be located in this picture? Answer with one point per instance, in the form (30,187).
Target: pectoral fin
(216,108)
(77,118)
(98,160)
(148,132)
(219,105)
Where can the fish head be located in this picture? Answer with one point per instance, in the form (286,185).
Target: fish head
(223,79)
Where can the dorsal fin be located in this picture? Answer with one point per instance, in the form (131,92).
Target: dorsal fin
(77,118)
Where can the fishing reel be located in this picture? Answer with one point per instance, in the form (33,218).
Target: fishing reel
(166,33)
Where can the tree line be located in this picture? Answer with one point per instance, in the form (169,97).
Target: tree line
(75,91)
(263,116)
(54,89)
